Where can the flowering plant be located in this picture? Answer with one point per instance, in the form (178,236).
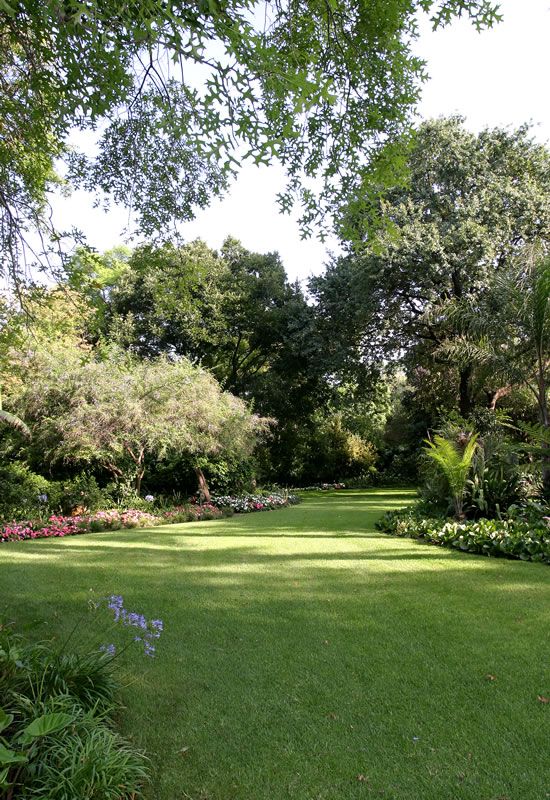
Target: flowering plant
(60,526)
(245,504)
(148,630)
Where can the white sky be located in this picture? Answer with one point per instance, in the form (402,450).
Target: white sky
(497,77)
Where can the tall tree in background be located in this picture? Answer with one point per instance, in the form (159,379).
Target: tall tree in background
(181,90)
(235,312)
(507,333)
(471,204)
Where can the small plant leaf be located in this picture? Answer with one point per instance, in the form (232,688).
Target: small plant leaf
(10,756)
(43,726)
(4,778)
(5,719)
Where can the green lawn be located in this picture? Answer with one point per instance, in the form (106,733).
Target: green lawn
(306,656)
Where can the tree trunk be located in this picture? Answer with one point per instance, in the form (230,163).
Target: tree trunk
(465,392)
(139,478)
(204,491)
(498,395)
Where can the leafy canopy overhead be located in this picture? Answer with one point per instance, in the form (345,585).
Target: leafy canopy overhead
(180,92)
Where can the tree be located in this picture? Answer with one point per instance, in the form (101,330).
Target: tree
(471,204)
(507,332)
(183,91)
(235,312)
(50,315)
(118,412)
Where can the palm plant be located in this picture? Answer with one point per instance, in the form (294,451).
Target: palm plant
(507,334)
(13,421)
(455,464)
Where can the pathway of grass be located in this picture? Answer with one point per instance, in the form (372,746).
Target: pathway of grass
(308,657)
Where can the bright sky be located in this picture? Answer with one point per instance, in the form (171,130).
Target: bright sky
(497,77)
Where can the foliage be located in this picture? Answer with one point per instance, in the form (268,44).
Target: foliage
(496,479)
(234,311)
(237,314)
(499,537)
(21,491)
(118,412)
(471,203)
(508,332)
(60,526)
(56,739)
(179,91)
(254,502)
(325,450)
(455,463)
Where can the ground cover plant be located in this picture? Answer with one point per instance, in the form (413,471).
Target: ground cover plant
(57,709)
(514,538)
(59,526)
(306,656)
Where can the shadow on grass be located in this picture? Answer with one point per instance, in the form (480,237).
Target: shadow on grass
(294,658)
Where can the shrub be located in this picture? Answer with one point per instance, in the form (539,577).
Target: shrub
(87,760)
(514,538)
(80,494)
(247,503)
(56,741)
(59,526)
(454,459)
(23,493)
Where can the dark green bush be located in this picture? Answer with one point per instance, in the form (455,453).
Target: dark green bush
(85,760)
(23,493)
(514,538)
(56,740)
(79,494)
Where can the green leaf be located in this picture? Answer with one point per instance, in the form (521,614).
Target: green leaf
(5,719)
(7,9)
(45,725)
(10,756)
(14,422)
(4,783)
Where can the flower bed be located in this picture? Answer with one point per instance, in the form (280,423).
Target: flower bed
(324,487)
(491,537)
(58,526)
(247,503)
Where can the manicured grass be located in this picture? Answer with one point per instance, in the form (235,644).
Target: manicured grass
(307,656)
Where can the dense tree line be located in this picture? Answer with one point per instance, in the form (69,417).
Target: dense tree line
(436,309)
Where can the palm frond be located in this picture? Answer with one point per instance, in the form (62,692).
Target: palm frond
(15,423)
(454,463)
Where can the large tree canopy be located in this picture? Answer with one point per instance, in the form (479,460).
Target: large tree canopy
(180,92)
(471,204)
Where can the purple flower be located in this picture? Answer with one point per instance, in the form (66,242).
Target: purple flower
(137,620)
(149,649)
(109,649)
(115,604)
(153,628)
